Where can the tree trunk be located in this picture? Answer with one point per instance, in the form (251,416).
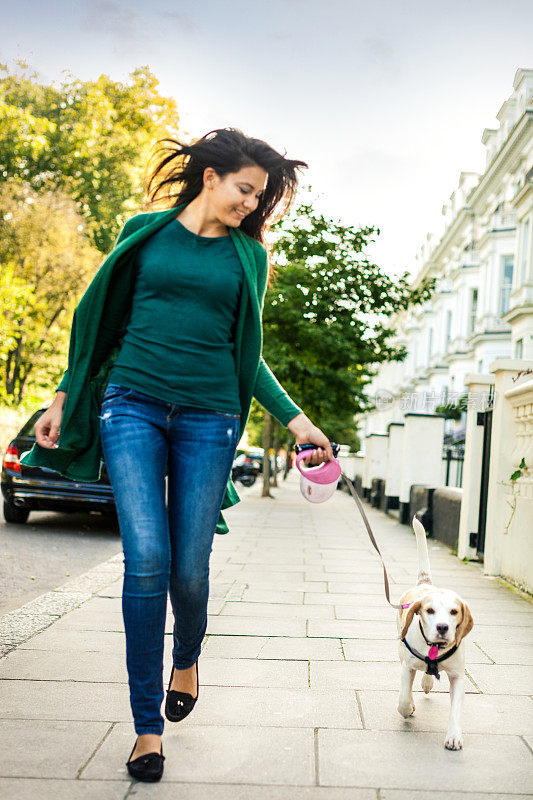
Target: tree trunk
(277,434)
(290,446)
(267,436)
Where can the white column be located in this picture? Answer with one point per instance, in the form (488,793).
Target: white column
(352,464)
(393,473)
(375,463)
(422,451)
(502,462)
(478,388)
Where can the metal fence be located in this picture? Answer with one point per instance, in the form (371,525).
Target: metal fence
(454,455)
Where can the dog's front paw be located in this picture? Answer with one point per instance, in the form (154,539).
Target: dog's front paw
(454,740)
(406,709)
(427,683)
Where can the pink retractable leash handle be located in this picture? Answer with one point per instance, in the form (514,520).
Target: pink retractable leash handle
(327,472)
(317,484)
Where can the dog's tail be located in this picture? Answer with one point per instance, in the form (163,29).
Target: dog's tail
(424,571)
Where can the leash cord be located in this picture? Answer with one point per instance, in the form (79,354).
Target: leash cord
(352,491)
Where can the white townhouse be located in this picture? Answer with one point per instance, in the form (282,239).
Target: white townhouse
(482,307)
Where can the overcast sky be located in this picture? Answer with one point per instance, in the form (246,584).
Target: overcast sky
(386,101)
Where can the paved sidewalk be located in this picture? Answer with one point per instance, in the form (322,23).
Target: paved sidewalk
(299,676)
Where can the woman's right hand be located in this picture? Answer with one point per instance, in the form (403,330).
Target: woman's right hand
(48,425)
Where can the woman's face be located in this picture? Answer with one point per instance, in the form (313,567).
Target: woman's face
(237,194)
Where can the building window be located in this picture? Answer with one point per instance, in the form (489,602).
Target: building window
(506,283)
(519,348)
(480,366)
(473,310)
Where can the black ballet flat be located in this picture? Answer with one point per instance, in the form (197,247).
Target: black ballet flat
(148,768)
(180,704)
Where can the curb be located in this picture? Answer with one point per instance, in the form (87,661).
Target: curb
(21,624)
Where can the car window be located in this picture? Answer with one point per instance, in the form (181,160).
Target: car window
(28,430)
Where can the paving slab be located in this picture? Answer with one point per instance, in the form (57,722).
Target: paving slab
(353,629)
(273,596)
(362,610)
(512,635)
(357,675)
(234,646)
(303,648)
(512,679)
(36,748)
(229,705)
(212,791)
(52,789)
(254,672)
(500,653)
(256,626)
(287,585)
(481,713)
(283,610)
(412,760)
(60,640)
(91,619)
(238,755)
(353,577)
(364,593)
(370,650)
(64,700)
(430,794)
(90,666)
(387,650)
(502,619)
(258,576)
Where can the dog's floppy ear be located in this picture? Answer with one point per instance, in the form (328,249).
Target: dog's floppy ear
(466,624)
(411,611)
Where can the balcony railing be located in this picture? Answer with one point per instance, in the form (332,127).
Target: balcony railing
(470,258)
(503,220)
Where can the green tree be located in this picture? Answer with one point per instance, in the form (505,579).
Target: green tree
(46,261)
(326,317)
(92,139)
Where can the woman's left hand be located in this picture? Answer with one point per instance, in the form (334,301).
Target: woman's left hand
(306,433)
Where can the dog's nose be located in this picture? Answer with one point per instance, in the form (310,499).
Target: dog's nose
(442,628)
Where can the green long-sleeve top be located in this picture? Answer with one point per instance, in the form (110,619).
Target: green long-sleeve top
(179,343)
(98,329)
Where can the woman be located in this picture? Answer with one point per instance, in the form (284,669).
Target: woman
(176,400)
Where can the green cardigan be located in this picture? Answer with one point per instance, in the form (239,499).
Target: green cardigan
(98,327)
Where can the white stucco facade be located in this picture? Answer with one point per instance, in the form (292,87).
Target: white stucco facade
(482,259)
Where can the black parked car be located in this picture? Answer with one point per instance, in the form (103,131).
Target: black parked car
(34,488)
(248,464)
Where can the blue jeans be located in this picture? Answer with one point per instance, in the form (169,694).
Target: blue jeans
(166,548)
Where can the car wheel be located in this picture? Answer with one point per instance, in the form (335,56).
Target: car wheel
(247,480)
(15,514)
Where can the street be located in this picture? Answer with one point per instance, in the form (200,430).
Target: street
(50,549)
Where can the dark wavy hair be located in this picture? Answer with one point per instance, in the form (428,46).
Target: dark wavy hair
(178,173)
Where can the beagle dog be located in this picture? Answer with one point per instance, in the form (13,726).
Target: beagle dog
(432,624)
